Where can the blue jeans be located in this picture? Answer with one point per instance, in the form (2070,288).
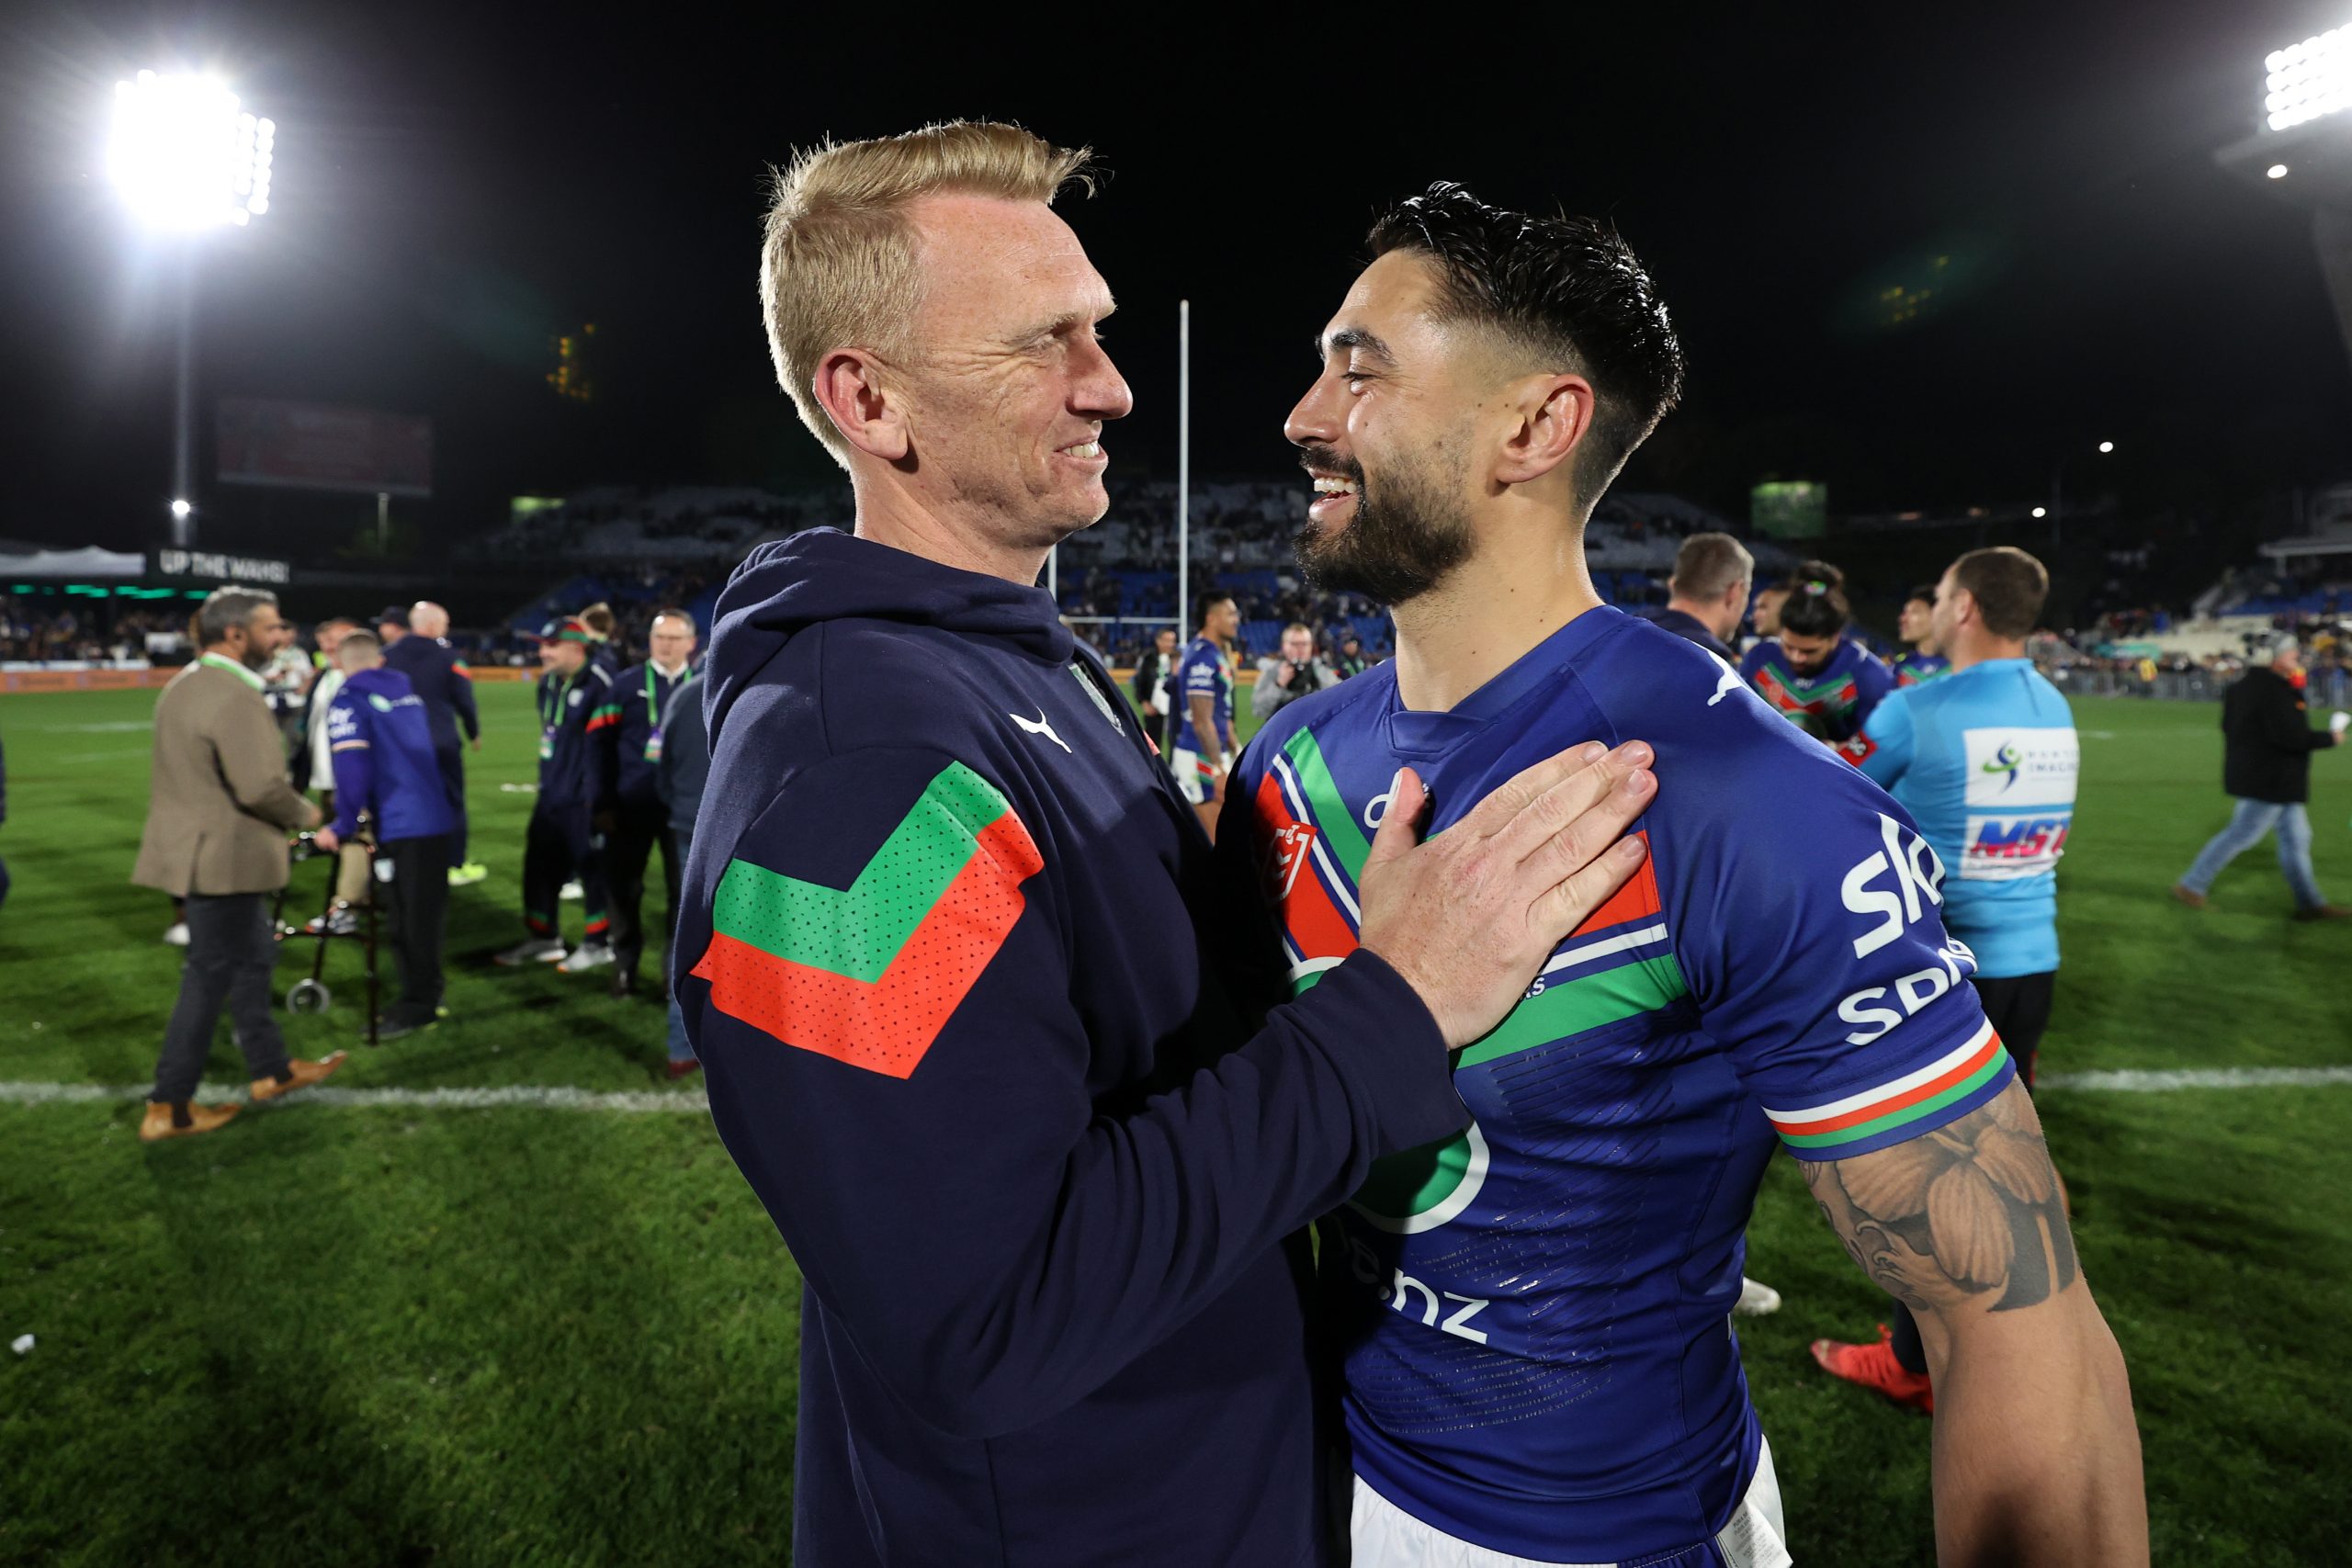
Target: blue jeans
(2251,819)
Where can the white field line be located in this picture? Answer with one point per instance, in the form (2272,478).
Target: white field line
(690,1100)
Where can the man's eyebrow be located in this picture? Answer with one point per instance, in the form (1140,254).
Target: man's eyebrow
(1068,320)
(1348,338)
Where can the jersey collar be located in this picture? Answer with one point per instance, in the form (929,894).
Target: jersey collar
(1426,734)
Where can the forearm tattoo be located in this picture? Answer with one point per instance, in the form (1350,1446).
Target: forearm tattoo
(1970,1210)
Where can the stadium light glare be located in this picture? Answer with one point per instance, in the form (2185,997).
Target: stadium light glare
(2276,170)
(180,508)
(2106,446)
(2308,80)
(2041,512)
(186,156)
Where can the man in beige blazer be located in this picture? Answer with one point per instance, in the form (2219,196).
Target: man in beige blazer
(217,822)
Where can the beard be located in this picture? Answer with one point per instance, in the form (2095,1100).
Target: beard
(1405,537)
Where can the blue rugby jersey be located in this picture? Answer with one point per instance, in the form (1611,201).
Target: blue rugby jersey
(1986,760)
(1831,702)
(1917,668)
(1206,670)
(1534,1313)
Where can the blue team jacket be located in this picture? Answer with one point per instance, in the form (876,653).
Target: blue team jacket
(382,747)
(985,1039)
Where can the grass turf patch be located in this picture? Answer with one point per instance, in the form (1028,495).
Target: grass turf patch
(336,1334)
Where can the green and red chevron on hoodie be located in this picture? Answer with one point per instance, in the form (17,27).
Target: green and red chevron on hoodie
(870,974)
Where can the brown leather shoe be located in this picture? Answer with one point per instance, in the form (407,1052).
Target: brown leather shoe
(305,1075)
(2323,912)
(2189,897)
(165,1121)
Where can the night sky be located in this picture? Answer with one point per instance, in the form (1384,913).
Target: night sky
(457,186)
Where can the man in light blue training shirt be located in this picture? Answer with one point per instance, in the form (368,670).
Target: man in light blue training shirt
(1986,759)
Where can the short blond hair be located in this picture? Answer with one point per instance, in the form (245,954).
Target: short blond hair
(837,262)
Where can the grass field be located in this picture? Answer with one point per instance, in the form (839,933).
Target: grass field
(341,1334)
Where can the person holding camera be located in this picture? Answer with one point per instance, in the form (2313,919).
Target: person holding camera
(1299,670)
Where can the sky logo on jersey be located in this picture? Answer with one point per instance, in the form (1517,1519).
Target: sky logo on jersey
(869,974)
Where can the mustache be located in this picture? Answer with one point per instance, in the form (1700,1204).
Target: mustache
(1330,462)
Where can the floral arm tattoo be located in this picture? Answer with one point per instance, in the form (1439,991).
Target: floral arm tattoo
(1969,1212)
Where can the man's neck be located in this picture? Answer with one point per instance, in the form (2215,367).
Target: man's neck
(1969,652)
(887,514)
(1487,614)
(669,672)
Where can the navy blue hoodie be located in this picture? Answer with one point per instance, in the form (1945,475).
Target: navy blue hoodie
(984,1024)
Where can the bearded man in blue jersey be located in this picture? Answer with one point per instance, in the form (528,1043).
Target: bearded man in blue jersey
(1986,759)
(1539,1363)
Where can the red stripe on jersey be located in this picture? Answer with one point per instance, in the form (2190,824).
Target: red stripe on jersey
(1317,927)
(1637,900)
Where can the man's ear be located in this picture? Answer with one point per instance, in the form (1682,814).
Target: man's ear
(853,389)
(1554,416)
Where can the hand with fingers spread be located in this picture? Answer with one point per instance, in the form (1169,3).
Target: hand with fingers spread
(1468,918)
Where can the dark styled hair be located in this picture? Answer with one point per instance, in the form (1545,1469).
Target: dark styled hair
(1925,593)
(1208,601)
(1709,565)
(2008,586)
(1816,604)
(1567,292)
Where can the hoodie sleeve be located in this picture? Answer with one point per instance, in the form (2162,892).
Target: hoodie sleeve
(461,696)
(885,1011)
(353,760)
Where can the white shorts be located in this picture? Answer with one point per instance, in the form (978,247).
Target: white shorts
(1193,775)
(1387,1537)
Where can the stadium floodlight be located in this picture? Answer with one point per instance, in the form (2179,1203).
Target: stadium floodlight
(180,508)
(2309,80)
(185,155)
(2106,446)
(2276,170)
(2041,512)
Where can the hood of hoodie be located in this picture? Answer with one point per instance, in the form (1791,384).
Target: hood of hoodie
(784,587)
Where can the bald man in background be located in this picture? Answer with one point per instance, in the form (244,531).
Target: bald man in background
(439,676)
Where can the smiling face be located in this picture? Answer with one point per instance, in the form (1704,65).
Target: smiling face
(1384,436)
(1006,394)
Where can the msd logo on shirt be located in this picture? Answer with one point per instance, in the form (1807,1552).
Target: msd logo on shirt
(2027,778)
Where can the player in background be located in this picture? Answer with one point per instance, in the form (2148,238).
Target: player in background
(1986,760)
(1533,1314)
(1764,616)
(1826,683)
(1203,751)
(1707,594)
(1924,662)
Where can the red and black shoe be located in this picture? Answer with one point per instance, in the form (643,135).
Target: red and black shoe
(1875,1368)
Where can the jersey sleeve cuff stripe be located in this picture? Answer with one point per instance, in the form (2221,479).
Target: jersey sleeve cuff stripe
(1915,1123)
(1941,1068)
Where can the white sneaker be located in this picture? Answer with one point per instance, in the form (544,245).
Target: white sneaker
(1757,1299)
(175,934)
(586,956)
(573,893)
(537,950)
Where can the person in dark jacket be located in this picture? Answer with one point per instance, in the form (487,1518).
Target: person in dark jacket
(1707,595)
(2267,769)
(1150,683)
(574,696)
(641,824)
(679,773)
(987,1027)
(439,677)
(380,739)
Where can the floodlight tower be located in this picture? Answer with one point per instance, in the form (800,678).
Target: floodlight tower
(2302,151)
(188,159)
